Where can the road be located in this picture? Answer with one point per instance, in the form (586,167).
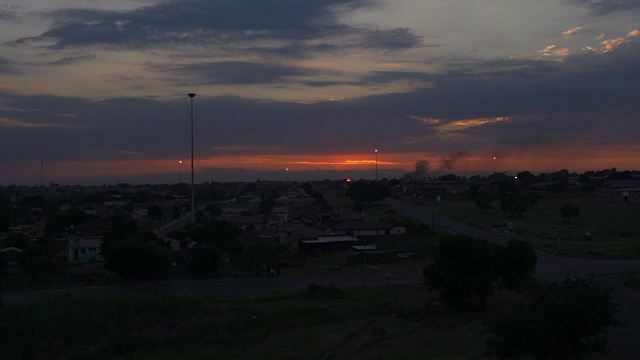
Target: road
(550,267)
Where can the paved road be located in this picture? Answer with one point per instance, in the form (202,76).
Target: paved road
(551,267)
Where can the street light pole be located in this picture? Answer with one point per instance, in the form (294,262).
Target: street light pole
(193,204)
(180,171)
(376,164)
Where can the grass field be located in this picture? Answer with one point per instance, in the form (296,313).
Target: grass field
(322,322)
(615,227)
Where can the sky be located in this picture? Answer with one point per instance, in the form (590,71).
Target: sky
(96,92)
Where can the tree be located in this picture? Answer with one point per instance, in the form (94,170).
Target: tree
(464,271)
(533,198)
(204,261)
(219,234)
(258,254)
(515,204)
(141,256)
(200,217)
(368,191)
(448,177)
(40,261)
(516,265)
(213,209)
(483,201)
(562,321)
(568,211)
(155,213)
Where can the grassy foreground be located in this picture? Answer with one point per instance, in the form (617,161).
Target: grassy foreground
(614,225)
(322,322)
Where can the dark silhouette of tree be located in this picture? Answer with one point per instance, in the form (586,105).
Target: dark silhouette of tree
(368,191)
(515,204)
(483,201)
(516,265)
(219,234)
(204,261)
(473,190)
(155,213)
(562,321)
(141,256)
(525,178)
(448,177)
(533,198)
(258,254)
(464,271)
(200,217)
(568,211)
(213,209)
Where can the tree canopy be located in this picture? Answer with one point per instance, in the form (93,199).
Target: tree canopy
(142,255)
(466,270)
(568,211)
(368,191)
(561,321)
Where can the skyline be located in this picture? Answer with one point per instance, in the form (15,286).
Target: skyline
(98,92)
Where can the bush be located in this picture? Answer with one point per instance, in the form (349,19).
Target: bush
(563,321)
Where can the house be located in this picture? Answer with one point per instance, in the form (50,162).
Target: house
(243,222)
(358,228)
(628,195)
(327,244)
(85,249)
(14,259)
(290,234)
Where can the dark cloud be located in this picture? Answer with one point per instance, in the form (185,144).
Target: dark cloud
(602,7)
(589,99)
(72,59)
(6,66)
(237,72)
(220,23)
(396,39)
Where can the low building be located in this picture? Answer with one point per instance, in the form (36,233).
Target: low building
(359,228)
(85,249)
(628,195)
(327,244)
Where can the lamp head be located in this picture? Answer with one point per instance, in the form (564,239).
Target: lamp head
(191,95)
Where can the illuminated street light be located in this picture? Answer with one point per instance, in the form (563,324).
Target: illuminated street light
(193,204)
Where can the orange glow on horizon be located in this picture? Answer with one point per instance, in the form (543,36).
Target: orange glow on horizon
(540,160)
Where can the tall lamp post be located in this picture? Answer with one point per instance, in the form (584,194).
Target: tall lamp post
(193,204)
(180,171)
(376,151)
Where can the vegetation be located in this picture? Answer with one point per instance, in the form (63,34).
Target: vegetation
(140,256)
(614,226)
(363,191)
(561,321)
(465,270)
(568,211)
(320,321)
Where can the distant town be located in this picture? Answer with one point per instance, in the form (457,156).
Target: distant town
(241,228)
